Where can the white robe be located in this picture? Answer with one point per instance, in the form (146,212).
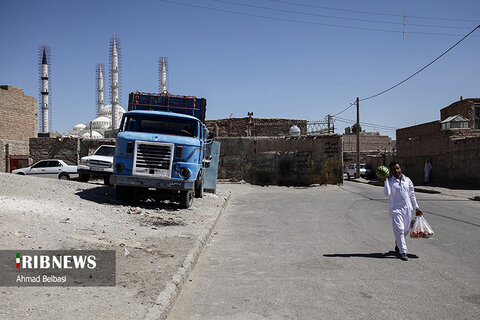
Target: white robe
(402,201)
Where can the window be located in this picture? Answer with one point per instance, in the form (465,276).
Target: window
(477,115)
(41,164)
(53,164)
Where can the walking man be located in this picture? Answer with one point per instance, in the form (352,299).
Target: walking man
(400,192)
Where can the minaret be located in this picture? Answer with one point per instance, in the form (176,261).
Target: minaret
(100,101)
(114,85)
(44,92)
(163,74)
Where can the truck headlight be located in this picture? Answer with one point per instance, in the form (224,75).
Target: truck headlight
(83,161)
(185,173)
(119,167)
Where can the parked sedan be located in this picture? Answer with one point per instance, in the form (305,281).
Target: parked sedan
(364,171)
(51,168)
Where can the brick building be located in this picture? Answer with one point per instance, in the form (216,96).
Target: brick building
(254,127)
(18,123)
(371,144)
(454,152)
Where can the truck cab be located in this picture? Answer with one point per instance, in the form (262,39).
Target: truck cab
(161,150)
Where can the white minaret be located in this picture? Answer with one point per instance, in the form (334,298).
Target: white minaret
(114,86)
(44,92)
(163,74)
(100,101)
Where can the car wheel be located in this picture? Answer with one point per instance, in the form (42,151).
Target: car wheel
(21,173)
(64,176)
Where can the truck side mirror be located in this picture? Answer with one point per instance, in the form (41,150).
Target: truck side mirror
(210,135)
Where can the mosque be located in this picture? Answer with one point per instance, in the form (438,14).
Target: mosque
(104,123)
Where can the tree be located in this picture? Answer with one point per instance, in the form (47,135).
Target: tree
(348,130)
(354,128)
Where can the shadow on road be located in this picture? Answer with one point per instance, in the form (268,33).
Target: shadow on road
(377,255)
(106,195)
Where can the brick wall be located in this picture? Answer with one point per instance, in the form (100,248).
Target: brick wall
(18,114)
(256,127)
(462,107)
(11,147)
(291,161)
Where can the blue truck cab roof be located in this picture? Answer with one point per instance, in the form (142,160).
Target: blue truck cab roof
(161,114)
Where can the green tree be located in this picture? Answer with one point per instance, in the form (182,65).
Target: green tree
(348,130)
(354,128)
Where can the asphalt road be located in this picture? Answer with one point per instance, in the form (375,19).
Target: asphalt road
(325,253)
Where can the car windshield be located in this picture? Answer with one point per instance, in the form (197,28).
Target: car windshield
(105,151)
(162,125)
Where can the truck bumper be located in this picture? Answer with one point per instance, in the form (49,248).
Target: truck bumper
(152,183)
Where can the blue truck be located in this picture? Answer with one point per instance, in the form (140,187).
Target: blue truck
(162,145)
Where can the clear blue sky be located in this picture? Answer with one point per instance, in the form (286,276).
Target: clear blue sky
(289,65)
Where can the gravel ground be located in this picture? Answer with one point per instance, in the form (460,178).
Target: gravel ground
(151,241)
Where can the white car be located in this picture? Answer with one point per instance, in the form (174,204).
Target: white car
(364,171)
(99,164)
(50,168)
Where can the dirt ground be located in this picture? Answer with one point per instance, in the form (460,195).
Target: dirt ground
(151,240)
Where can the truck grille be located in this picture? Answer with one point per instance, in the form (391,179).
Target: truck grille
(153,159)
(100,163)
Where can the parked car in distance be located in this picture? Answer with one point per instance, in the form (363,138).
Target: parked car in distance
(50,168)
(99,164)
(364,171)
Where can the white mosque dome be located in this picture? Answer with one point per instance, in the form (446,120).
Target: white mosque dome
(101,123)
(106,111)
(93,135)
(79,127)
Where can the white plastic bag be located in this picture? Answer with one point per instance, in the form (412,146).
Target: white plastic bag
(420,228)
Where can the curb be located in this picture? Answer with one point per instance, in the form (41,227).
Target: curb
(167,297)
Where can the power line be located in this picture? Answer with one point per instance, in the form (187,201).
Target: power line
(366,124)
(305,22)
(336,17)
(349,106)
(368,12)
(425,67)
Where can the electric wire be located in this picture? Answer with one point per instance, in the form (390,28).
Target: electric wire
(425,67)
(336,17)
(369,12)
(307,22)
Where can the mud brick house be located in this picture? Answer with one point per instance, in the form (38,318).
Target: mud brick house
(18,123)
(451,143)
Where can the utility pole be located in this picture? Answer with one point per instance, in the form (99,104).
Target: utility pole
(358,139)
(329,117)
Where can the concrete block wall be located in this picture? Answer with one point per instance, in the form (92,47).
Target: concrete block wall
(18,114)
(65,148)
(291,161)
(463,107)
(369,141)
(459,166)
(256,127)
(11,147)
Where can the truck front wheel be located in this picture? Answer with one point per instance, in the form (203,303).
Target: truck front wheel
(199,187)
(186,199)
(123,193)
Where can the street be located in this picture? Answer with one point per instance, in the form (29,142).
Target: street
(326,253)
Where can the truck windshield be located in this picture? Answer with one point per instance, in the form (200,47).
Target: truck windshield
(105,151)
(173,126)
